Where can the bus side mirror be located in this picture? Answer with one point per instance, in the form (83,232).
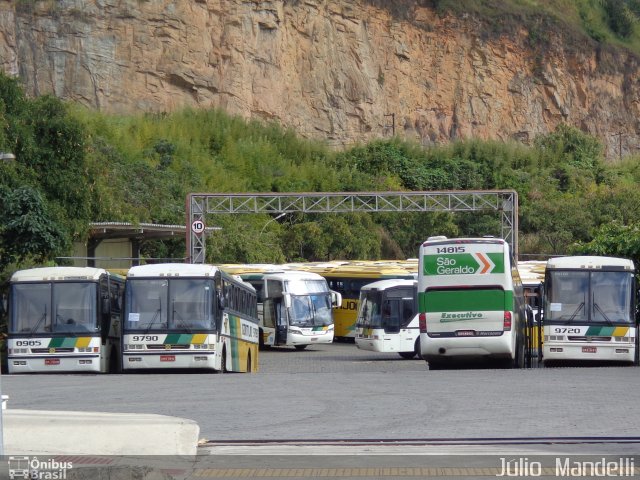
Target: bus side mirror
(336,299)
(220,301)
(287,300)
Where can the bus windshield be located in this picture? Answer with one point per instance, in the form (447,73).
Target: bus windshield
(176,304)
(310,310)
(302,287)
(68,307)
(369,315)
(586,297)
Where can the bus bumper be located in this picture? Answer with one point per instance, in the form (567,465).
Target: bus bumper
(168,360)
(500,347)
(54,364)
(310,339)
(618,352)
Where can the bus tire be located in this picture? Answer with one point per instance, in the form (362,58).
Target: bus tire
(114,362)
(223,364)
(434,365)
(300,347)
(407,355)
(417,349)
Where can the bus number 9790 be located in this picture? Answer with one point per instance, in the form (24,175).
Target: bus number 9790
(144,338)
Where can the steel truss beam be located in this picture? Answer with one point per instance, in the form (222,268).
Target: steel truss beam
(199,205)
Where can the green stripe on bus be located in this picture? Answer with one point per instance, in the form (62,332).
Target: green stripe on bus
(463,263)
(234,332)
(173,339)
(466,300)
(600,331)
(62,342)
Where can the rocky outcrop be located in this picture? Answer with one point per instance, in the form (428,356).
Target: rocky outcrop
(340,70)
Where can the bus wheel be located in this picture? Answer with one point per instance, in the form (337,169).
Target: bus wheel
(407,355)
(416,348)
(223,365)
(114,363)
(434,365)
(300,347)
(521,358)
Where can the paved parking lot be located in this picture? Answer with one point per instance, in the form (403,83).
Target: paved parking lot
(339,392)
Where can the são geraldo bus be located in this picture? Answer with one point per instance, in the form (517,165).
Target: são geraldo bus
(471,302)
(64,319)
(589,310)
(388,318)
(189,316)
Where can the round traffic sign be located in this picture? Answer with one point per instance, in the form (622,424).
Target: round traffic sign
(197,226)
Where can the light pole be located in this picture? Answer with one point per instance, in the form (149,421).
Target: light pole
(5,157)
(269,221)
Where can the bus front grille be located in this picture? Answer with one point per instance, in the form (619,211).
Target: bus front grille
(53,350)
(162,346)
(590,339)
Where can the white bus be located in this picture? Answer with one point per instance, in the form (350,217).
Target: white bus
(295,308)
(471,302)
(64,319)
(189,316)
(589,310)
(388,318)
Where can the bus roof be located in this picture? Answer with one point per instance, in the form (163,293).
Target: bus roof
(57,273)
(590,262)
(293,275)
(240,269)
(389,283)
(172,270)
(532,271)
(363,269)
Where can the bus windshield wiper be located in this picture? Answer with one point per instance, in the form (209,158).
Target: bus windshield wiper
(179,317)
(607,319)
(44,315)
(155,317)
(574,314)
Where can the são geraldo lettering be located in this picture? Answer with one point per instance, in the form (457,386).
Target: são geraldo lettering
(447,266)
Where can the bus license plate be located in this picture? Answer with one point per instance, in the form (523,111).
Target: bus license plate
(589,349)
(465,333)
(167,358)
(52,361)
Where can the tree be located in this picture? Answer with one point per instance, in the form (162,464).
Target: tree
(27,231)
(613,239)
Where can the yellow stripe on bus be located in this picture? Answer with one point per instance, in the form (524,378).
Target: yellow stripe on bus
(83,342)
(199,338)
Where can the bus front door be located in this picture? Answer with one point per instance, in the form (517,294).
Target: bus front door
(281,324)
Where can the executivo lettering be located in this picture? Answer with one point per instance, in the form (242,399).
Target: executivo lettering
(457,317)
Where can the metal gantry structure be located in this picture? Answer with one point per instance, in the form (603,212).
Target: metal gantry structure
(199,205)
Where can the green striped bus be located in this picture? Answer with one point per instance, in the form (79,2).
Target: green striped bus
(471,302)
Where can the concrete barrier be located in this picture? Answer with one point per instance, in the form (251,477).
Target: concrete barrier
(36,432)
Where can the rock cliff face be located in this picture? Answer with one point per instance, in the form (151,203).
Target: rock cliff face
(341,70)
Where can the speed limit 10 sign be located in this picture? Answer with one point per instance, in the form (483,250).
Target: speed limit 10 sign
(197,226)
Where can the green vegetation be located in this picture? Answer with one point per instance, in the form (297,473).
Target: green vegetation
(75,166)
(612,22)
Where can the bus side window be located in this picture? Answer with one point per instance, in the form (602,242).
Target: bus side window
(390,316)
(408,311)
